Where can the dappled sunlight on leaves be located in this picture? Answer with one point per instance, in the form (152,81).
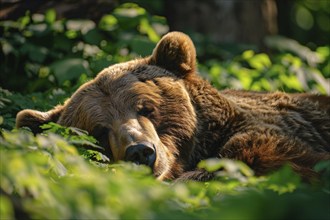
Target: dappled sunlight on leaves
(48,176)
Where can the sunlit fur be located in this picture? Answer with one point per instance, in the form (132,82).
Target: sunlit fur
(188,120)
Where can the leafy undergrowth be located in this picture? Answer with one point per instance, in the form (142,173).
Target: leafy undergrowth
(53,176)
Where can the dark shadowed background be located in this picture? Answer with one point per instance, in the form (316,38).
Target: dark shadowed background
(226,21)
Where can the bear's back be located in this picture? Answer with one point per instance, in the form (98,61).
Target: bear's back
(305,118)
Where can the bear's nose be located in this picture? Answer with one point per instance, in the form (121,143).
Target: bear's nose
(141,153)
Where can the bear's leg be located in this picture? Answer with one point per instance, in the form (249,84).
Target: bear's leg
(267,152)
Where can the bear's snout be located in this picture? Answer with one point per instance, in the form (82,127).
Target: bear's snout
(141,153)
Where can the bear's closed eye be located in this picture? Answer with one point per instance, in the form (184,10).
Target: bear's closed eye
(100,133)
(146,110)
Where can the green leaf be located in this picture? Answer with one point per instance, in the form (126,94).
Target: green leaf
(50,16)
(146,28)
(283,181)
(108,22)
(129,10)
(291,82)
(260,61)
(142,46)
(94,37)
(211,165)
(25,20)
(323,52)
(248,54)
(231,167)
(6,208)
(80,25)
(69,69)
(35,53)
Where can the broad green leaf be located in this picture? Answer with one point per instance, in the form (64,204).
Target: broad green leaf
(284,180)
(248,54)
(260,61)
(69,69)
(6,208)
(50,16)
(108,22)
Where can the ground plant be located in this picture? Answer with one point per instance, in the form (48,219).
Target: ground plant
(61,174)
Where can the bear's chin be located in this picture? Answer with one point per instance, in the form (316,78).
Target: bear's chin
(165,163)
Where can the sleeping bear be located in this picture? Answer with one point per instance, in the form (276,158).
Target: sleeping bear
(159,112)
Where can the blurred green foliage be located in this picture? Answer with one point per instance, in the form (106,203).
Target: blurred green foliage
(307,21)
(44,177)
(43,52)
(62,174)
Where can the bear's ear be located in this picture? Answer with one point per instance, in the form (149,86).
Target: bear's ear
(175,52)
(33,119)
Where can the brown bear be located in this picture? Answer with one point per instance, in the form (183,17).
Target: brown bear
(157,111)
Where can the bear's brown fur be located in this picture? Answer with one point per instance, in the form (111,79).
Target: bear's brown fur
(159,104)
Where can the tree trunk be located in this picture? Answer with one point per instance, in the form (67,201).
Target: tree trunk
(225,21)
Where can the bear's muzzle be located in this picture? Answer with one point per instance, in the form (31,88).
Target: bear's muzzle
(141,153)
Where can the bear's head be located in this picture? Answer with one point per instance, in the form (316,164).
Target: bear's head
(139,110)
